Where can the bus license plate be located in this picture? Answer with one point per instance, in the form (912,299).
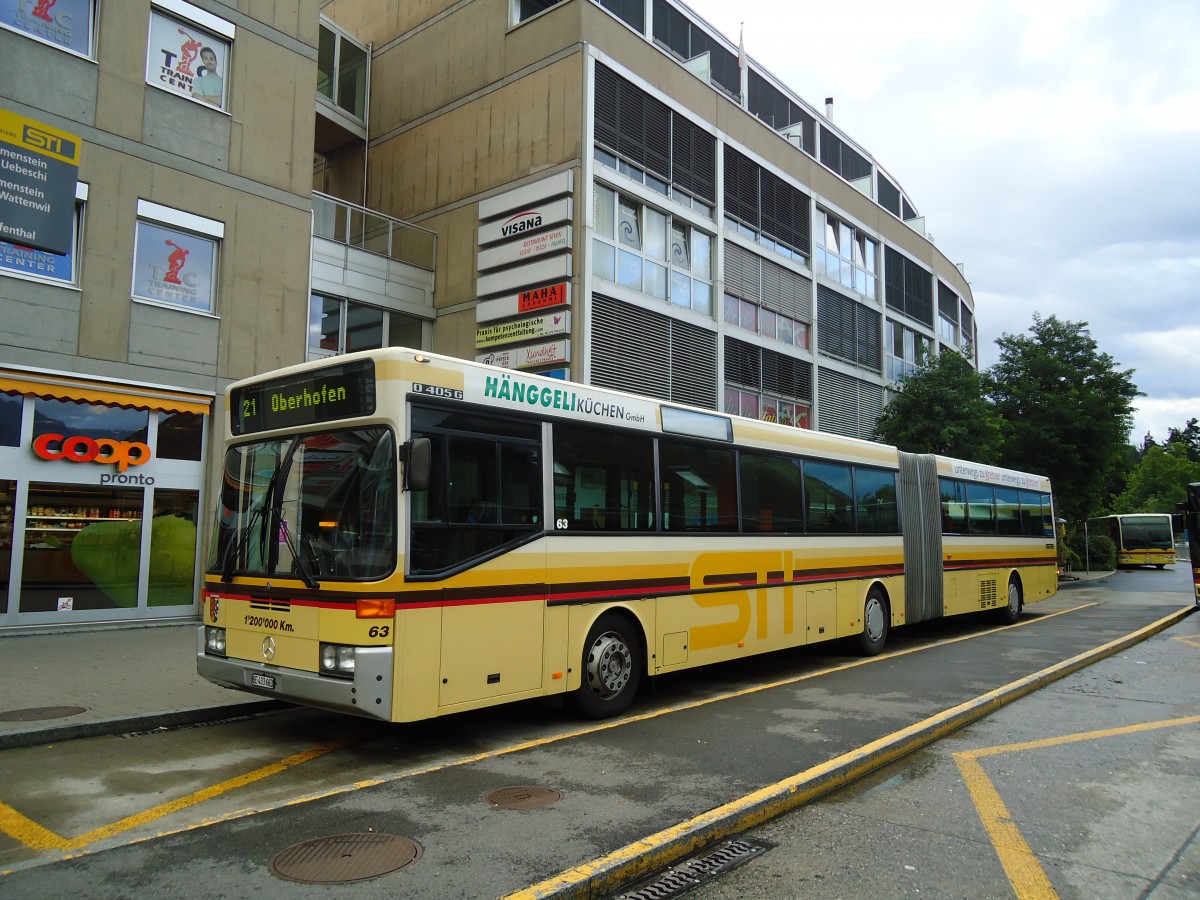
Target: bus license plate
(263,681)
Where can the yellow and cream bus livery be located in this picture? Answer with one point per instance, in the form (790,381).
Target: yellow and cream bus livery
(402,535)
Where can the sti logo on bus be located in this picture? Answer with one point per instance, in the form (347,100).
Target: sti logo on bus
(523,221)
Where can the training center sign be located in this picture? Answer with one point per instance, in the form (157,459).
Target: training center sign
(38,169)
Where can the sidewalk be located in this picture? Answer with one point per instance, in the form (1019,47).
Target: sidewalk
(114,679)
(107,680)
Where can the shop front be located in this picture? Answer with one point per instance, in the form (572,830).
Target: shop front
(101,490)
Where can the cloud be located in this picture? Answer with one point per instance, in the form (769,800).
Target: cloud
(1051,148)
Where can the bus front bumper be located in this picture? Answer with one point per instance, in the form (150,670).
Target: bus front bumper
(368,694)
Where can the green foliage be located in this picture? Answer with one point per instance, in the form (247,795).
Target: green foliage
(940,408)
(1101,552)
(1065,408)
(1159,481)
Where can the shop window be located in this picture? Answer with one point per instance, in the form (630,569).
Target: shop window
(67,24)
(189,52)
(11,406)
(180,435)
(78,417)
(82,549)
(172,575)
(172,265)
(8,492)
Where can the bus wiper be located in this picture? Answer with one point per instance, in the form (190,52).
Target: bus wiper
(278,522)
(236,549)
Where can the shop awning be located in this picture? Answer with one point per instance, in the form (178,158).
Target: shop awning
(132,396)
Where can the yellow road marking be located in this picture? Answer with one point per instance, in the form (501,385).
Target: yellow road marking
(34,836)
(1190,641)
(1026,875)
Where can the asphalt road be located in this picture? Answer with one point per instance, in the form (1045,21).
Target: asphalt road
(204,812)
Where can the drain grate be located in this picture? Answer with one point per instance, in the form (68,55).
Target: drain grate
(523,797)
(696,871)
(345,858)
(37,713)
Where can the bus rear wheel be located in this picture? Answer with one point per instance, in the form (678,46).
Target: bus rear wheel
(1009,613)
(611,669)
(875,622)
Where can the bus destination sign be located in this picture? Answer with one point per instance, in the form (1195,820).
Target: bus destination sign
(337,392)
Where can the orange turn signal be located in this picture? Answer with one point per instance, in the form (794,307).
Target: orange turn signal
(383,608)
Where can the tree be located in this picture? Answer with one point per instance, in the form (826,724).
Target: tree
(940,408)
(1188,437)
(1065,409)
(1160,480)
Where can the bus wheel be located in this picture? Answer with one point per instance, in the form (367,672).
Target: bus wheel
(611,669)
(875,622)
(1009,614)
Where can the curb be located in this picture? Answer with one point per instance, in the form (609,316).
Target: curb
(141,722)
(604,875)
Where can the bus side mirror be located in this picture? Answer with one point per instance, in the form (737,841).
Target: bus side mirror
(416,456)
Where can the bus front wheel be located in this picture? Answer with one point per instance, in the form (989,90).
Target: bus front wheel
(611,670)
(875,622)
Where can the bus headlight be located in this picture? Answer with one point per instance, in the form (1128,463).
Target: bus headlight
(337,659)
(214,640)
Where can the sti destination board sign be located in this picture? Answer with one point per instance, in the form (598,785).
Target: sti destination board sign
(38,168)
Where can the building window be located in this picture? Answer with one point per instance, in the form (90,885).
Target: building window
(763,208)
(650,251)
(848,330)
(644,139)
(763,384)
(906,350)
(172,265)
(68,24)
(342,67)
(11,406)
(749,315)
(189,52)
(908,288)
(337,325)
(41,265)
(845,255)
(527,9)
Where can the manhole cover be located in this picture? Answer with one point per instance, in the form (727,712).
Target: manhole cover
(523,797)
(37,713)
(344,858)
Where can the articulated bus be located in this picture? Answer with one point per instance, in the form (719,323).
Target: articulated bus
(401,535)
(1142,539)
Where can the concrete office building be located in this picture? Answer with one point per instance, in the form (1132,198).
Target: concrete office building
(622,197)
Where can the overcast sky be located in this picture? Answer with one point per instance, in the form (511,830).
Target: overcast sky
(1053,147)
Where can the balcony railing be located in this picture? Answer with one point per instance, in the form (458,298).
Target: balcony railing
(356,226)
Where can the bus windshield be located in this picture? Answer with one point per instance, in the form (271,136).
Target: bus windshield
(314,506)
(1147,534)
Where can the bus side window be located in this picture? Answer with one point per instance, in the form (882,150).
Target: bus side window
(603,480)
(981,509)
(829,492)
(954,506)
(699,487)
